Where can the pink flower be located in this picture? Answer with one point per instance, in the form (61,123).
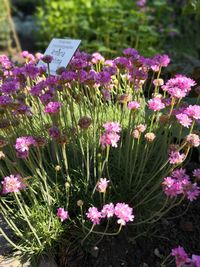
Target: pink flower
(141,127)
(196,174)
(175,157)
(172,187)
(53,107)
(124,213)
(158,82)
(112,127)
(110,138)
(62,214)
(97,58)
(94,215)
(108,211)
(184,120)
(23,144)
(180,174)
(193,111)
(133,105)
(180,255)
(193,140)
(192,191)
(155,104)
(12,183)
(102,185)
(196,260)
(179,86)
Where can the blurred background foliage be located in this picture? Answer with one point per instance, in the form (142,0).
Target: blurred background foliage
(161,26)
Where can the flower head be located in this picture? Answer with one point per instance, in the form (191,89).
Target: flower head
(94,215)
(155,104)
(112,127)
(193,140)
(12,183)
(108,211)
(124,213)
(133,105)
(184,120)
(53,107)
(180,255)
(102,185)
(176,158)
(62,214)
(196,174)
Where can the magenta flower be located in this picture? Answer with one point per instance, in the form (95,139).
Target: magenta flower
(180,174)
(133,105)
(94,215)
(172,187)
(193,111)
(196,174)
(53,107)
(102,185)
(192,191)
(23,144)
(180,255)
(184,120)
(62,214)
(47,59)
(195,260)
(109,139)
(108,211)
(193,140)
(155,104)
(54,132)
(12,183)
(176,158)
(124,213)
(112,127)
(179,86)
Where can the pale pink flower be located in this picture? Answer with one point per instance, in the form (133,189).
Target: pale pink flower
(12,183)
(141,127)
(180,255)
(62,214)
(184,120)
(133,105)
(108,211)
(109,139)
(94,215)
(112,127)
(193,140)
(136,134)
(171,187)
(102,185)
(124,213)
(193,111)
(155,104)
(176,158)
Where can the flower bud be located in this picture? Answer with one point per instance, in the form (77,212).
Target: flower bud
(80,203)
(57,168)
(84,122)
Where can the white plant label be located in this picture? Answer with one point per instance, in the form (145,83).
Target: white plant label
(62,50)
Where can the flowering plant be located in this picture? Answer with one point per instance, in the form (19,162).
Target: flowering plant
(87,149)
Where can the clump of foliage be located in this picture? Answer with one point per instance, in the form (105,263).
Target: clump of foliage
(101,145)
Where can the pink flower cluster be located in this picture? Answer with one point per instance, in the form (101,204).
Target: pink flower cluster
(62,214)
(156,104)
(179,183)
(133,105)
(23,144)
(53,107)
(111,136)
(12,183)
(179,86)
(121,210)
(181,258)
(175,157)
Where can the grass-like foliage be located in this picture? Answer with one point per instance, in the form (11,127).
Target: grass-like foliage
(99,146)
